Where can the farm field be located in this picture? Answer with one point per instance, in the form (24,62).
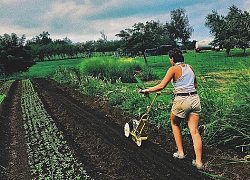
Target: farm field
(49,130)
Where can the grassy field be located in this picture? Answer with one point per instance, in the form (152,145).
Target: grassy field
(224,86)
(47,68)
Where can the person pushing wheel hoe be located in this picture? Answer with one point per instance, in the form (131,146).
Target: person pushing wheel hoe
(186,103)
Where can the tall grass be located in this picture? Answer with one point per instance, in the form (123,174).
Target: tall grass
(224,90)
(226,115)
(114,68)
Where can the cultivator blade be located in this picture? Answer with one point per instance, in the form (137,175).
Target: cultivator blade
(138,142)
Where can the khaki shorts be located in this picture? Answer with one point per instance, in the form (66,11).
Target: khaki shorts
(185,105)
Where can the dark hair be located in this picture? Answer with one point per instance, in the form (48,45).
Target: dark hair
(176,54)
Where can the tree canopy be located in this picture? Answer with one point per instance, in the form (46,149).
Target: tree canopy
(152,34)
(14,56)
(230,30)
(143,36)
(179,28)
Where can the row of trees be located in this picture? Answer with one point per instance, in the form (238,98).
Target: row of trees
(43,47)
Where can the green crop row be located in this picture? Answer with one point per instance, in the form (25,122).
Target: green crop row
(5,86)
(49,155)
(2,96)
(4,89)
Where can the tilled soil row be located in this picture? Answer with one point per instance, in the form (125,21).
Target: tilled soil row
(13,153)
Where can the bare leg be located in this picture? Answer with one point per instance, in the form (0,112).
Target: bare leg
(193,122)
(175,121)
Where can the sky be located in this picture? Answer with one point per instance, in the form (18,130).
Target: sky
(83,20)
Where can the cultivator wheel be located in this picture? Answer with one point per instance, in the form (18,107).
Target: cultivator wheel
(127,129)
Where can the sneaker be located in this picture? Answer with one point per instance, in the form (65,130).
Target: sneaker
(194,164)
(178,156)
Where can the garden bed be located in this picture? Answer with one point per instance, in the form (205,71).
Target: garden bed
(89,134)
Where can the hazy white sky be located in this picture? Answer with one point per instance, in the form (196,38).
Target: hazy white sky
(82,20)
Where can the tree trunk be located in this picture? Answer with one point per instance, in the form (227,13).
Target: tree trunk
(228,50)
(244,50)
(145,58)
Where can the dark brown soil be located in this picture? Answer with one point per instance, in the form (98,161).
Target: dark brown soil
(94,130)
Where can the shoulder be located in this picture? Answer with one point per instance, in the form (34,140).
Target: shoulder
(173,69)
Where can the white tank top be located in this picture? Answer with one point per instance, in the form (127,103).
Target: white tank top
(185,83)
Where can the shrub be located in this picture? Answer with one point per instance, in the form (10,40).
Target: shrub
(113,69)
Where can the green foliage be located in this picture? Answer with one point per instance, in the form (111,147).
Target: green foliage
(230,30)
(4,89)
(226,117)
(14,56)
(114,68)
(152,34)
(142,36)
(179,28)
(43,48)
(2,96)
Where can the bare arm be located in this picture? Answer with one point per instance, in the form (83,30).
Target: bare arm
(169,75)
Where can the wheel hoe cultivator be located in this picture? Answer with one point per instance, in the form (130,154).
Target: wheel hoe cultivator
(135,127)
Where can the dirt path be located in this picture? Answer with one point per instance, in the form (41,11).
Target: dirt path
(94,131)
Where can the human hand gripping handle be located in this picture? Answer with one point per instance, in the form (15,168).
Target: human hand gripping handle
(144,91)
